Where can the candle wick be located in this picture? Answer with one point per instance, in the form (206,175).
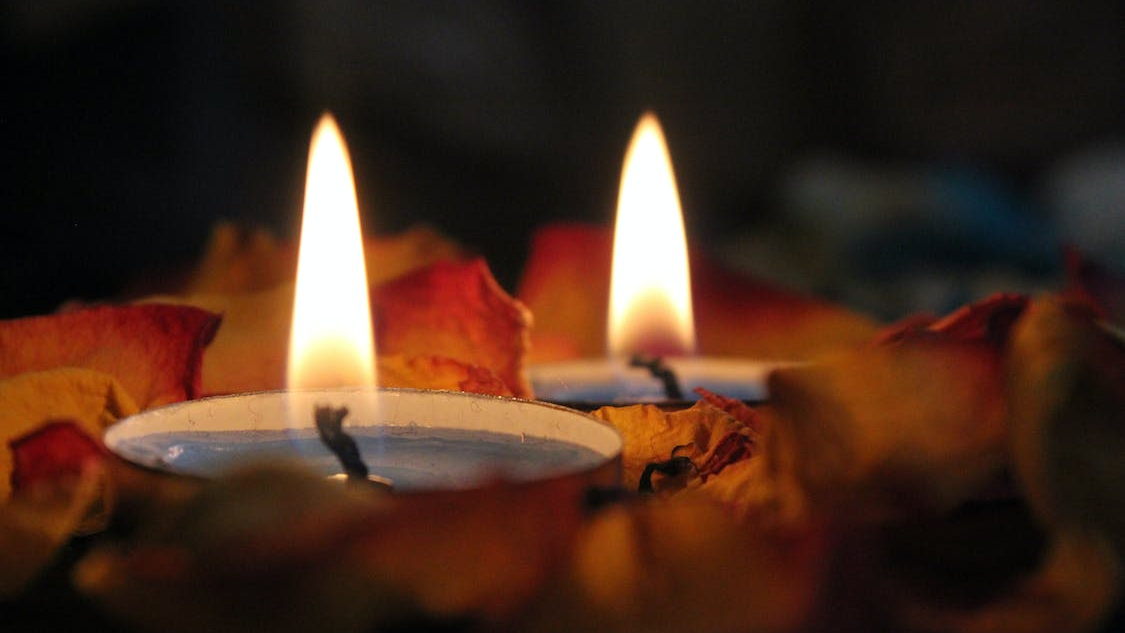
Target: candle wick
(330,426)
(655,365)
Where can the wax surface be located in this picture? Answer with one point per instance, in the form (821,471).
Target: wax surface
(415,458)
(613,381)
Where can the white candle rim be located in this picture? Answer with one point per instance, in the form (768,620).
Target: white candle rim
(178,418)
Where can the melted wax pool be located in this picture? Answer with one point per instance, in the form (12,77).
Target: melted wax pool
(415,458)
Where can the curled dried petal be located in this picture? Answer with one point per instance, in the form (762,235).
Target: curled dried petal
(154,351)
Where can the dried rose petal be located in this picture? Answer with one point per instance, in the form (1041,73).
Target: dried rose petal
(887,430)
(438,372)
(702,433)
(249,351)
(738,315)
(239,259)
(741,411)
(88,398)
(455,310)
(451,310)
(35,524)
(988,320)
(685,564)
(56,450)
(339,558)
(154,351)
(566,286)
(1066,383)
(56,470)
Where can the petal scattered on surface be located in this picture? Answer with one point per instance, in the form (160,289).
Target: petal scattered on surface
(454,310)
(27,401)
(989,320)
(684,565)
(39,520)
(438,372)
(1066,383)
(700,434)
(459,311)
(154,351)
(566,286)
(888,430)
(239,259)
(59,449)
(338,558)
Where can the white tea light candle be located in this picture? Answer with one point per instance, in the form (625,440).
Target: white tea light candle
(650,302)
(419,439)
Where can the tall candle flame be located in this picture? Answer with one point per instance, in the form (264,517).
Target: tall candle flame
(650,289)
(331,343)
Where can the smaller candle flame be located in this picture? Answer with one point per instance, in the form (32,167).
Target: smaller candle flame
(650,289)
(331,343)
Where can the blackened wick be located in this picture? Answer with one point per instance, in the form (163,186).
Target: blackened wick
(330,423)
(655,365)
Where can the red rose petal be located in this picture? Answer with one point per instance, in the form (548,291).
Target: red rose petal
(55,450)
(566,286)
(455,309)
(154,351)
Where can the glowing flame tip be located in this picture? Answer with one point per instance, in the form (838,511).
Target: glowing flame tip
(331,341)
(650,288)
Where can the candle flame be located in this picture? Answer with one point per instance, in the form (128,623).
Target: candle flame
(331,343)
(650,289)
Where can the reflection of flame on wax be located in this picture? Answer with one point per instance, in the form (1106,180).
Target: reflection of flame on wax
(331,342)
(650,289)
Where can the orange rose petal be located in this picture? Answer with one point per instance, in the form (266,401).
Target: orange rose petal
(455,310)
(520,536)
(701,433)
(249,350)
(1066,383)
(55,469)
(904,327)
(747,489)
(734,447)
(884,430)
(338,558)
(738,315)
(685,564)
(988,320)
(27,401)
(451,310)
(741,411)
(35,524)
(566,286)
(438,372)
(392,256)
(154,351)
(239,259)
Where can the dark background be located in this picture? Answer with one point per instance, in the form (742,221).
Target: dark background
(895,154)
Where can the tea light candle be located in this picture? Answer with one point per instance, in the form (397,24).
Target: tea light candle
(419,440)
(614,381)
(650,305)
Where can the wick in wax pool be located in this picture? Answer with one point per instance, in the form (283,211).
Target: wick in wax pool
(330,426)
(655,365)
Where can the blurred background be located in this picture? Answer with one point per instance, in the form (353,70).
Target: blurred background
(896,155)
